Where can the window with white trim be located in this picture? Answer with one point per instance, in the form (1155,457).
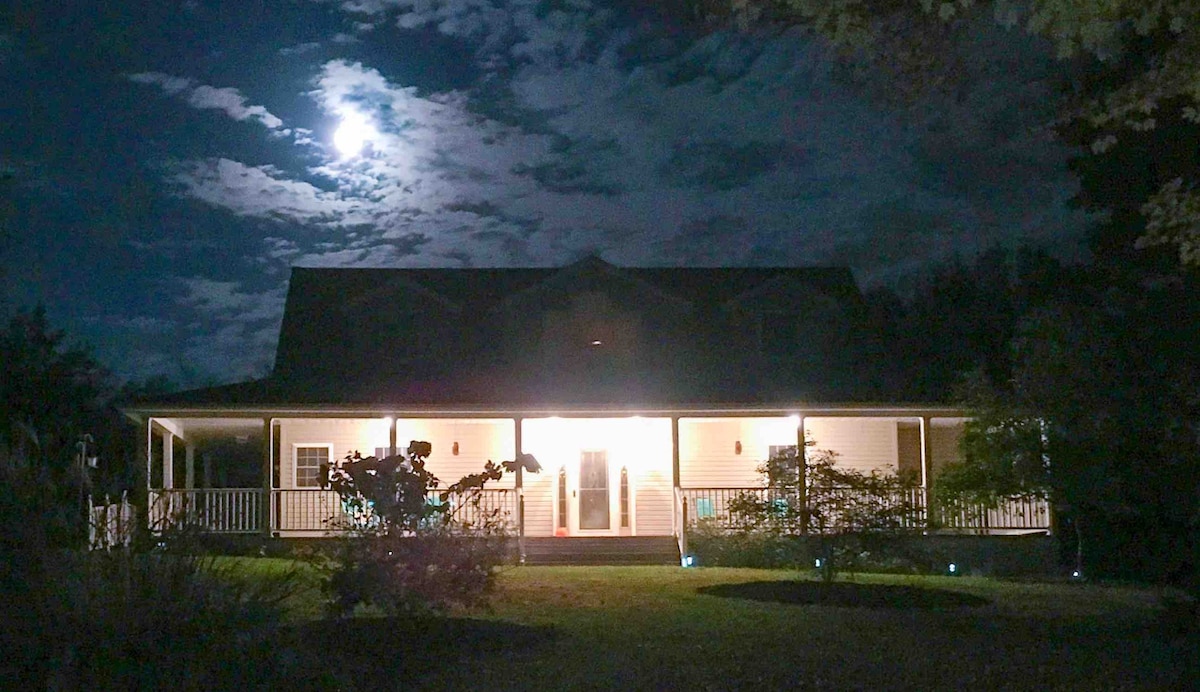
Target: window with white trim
(309,461)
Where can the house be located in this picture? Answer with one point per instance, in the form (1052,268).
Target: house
(649,396)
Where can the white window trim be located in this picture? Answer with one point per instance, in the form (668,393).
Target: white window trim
(295,458)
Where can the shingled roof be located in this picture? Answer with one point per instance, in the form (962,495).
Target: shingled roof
(342,327)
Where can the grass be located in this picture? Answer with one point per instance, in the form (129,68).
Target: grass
(704,629)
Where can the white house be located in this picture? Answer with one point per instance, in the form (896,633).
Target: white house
(641,391)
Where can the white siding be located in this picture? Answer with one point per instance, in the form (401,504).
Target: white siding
(862,444)
(347,435)
(708,456)
(478,441)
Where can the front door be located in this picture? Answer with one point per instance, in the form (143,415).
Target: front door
(594,501)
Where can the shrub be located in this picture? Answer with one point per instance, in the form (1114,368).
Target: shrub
(847,517)
(412,547)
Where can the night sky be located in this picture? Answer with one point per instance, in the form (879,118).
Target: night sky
(166,163)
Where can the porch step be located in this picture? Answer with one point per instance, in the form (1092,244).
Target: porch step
(607,550)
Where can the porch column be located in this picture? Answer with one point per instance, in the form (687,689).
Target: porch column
(677,522)
(519,481)
(189,465)
(391,436)
(206,465)
(149,452)
(927,467)
(168,459)
(266,515)
(802,473)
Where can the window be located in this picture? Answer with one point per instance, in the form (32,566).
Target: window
(781,451)
(309,461)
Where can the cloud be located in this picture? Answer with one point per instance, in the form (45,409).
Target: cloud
(202,96)
(228,327)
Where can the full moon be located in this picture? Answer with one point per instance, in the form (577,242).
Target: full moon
(352,135)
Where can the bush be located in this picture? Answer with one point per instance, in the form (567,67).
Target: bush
(412,547)
(125,619)
(815,513)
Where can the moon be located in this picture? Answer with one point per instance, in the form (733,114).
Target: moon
(352,135)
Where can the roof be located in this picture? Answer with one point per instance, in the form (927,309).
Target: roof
(347,339)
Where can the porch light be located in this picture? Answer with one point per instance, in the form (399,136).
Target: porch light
(454,448)
(737,447)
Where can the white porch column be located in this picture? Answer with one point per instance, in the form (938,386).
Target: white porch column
(519,483)
(927,467)
(189,461)
(802,471)
(168,459)
(926,454)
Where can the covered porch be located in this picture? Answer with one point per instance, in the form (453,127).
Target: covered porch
(651,473)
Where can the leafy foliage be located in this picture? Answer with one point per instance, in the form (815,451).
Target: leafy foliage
(406,552)
(125,619)
(845,508)
(1005,454)
(1146,56)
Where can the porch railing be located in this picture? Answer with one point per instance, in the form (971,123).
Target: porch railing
(209,510)
(239,510)
(716,507)
(1011,514)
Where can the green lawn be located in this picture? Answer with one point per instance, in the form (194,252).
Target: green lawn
(656,628)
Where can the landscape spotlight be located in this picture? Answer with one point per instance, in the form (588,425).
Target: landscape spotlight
(953,568)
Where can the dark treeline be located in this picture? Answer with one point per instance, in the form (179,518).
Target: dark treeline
(1105,354)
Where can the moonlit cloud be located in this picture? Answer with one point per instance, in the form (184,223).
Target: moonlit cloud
(202,96)
(577,129)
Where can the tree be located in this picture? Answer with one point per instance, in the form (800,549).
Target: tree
(408,554)
(51,395)
(1146,56)
(1100,414)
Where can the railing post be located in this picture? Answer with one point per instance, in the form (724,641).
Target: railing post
(683,518)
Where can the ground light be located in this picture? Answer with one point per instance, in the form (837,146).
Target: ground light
(952,570)
(688,561)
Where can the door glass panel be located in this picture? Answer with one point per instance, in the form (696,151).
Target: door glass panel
(593,490)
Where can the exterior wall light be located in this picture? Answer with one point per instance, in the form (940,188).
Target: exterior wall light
(454,448)
(737,447)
